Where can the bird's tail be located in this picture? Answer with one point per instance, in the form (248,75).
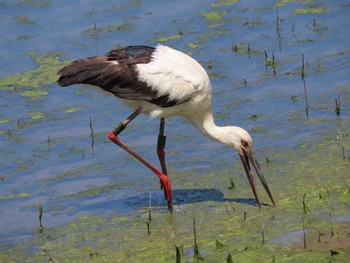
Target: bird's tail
(94,71)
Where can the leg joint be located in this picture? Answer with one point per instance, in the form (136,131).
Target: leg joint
(118,129)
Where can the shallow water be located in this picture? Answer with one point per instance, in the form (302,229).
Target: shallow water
(49,157)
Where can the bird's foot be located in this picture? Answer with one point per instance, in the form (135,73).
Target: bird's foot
(166,187)
(165,183)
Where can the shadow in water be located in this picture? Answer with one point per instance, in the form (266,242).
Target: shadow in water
(180,197)
(190,196)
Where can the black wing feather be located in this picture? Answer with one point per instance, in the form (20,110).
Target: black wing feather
(118,78)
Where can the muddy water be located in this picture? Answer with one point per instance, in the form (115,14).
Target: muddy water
(95,197)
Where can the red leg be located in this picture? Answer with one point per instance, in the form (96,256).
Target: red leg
(160,148)
(112,135)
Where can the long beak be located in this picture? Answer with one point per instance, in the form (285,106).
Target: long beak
(245,158)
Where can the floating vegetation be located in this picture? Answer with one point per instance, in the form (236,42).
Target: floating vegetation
(193,45)
(244,48)
(282,3)
(310,11)
(12,196)
(97,31)
(224,2)
(26,37)
(250,23)
(161,38)
(38,3)
(45,73)
(34,93)
(24,19)
(213,16)
(3,121)
(71,110)
(37,115)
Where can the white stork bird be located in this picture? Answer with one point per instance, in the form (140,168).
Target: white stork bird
(161,82)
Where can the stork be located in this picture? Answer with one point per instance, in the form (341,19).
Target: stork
(162,82)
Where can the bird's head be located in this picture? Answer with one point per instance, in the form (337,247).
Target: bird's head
(241,140)
(243,143)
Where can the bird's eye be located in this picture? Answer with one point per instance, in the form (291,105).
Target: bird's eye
(244,143)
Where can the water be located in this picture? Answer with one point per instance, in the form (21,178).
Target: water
(48,156)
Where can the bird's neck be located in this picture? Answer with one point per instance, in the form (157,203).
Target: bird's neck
(208,127)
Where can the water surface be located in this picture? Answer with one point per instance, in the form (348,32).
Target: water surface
(49,157)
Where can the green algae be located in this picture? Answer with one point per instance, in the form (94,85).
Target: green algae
(71,110)
(282,3)
(26,37)
(193,45)
(162,38)
(96,190)
(38,3)
(213,16)
(45,73)
(210,35)
(216,18)
(310,11)
(24,19)
(224,2)
(37,115)
(12,196)
(108,29)
(4,197)
(3,121)
(34,93)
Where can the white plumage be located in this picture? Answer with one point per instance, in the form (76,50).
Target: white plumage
(178,76)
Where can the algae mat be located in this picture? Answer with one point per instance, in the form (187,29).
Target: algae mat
(310,183)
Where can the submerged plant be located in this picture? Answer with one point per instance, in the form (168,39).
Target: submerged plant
(337,106)
(196,254)
(41,227)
